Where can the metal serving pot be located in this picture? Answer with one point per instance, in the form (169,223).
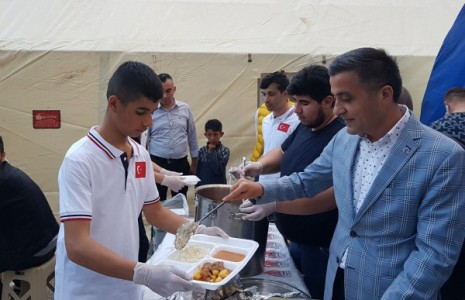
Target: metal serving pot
(229,219)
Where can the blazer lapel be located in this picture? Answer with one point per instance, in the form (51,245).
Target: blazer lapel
(406,145)
(350,151)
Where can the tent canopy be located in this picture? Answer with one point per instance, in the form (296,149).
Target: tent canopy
(319,27)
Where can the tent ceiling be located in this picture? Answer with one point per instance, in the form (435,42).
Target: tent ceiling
(414,27)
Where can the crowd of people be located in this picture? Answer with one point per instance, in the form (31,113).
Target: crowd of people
(369,200)
(397,185)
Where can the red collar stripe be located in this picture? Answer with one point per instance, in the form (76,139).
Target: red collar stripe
(100,145)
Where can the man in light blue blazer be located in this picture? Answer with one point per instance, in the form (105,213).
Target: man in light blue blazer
(398,186)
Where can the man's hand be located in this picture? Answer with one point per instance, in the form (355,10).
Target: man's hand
(236,172)
(174,183)
(251,169)
(193,168)
(213,231)
(164,280)
(169,173)
(256,212)
(244,189)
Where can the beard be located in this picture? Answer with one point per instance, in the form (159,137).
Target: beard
(320,118)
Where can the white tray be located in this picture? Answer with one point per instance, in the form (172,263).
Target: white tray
(242,246)
(190,179)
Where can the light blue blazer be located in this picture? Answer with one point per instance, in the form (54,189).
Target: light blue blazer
(406,237)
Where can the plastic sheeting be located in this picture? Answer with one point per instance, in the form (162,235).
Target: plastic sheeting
(59,55)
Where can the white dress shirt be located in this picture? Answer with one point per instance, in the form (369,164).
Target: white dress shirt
(369,161)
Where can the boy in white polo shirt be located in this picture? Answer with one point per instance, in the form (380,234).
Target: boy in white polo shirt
(105,180)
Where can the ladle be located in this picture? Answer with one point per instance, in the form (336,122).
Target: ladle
(185,231)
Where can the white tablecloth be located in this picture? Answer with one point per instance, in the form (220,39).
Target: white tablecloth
(166,246)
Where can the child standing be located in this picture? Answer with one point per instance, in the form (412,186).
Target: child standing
(213,158)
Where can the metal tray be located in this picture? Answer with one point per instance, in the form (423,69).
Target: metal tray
(271,286)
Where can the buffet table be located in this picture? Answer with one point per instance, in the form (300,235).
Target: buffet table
(278,264)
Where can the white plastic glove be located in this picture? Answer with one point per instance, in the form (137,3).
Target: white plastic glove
(213,231)
(169,173)
(256,212)
(164,280)
(174,183)
(252,168)
(236,172)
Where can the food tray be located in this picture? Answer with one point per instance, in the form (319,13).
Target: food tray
(190,179)
(213,244)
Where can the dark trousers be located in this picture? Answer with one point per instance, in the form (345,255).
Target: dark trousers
(176,165)
(338,287)
(143,241)
(454,288)
(311,261)
(28,262)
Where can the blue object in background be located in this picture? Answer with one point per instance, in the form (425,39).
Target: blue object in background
(448,71)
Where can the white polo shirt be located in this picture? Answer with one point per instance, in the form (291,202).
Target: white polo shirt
(275,131)
(95,186)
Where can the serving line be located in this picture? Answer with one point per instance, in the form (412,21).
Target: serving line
(279,265)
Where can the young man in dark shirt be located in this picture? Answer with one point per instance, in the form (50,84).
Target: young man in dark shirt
(310,235)
(28,228)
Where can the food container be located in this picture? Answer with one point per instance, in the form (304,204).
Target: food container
(255,288)
(214,244)
(229,219)
(190,179)
(271,288)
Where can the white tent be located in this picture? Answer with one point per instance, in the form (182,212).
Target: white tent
(58,55)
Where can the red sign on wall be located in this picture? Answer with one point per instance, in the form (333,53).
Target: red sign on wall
(45,119)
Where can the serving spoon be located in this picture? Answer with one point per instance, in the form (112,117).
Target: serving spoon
(185,231)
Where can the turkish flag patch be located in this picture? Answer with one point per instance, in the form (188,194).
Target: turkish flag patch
(284,127)
(140,169)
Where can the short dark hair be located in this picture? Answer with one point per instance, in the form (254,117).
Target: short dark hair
(164,77)
(405,98)
(312,81)
(2,147)
(133,80)
(214,125)
(278,78)
(455,93)
(374,67)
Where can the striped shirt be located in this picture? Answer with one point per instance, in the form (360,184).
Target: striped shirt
(173,132)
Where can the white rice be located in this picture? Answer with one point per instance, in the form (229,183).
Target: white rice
(192,253)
